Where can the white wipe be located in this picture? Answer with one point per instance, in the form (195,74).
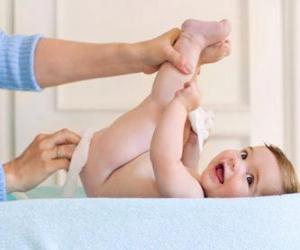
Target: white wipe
(79,159)
(201,122)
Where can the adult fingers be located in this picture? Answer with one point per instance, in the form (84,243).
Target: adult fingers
(63,136)
(41,137)
(60,151)
(175,58)
(57,164)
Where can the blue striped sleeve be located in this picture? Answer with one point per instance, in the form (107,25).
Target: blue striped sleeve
(17,62)
(2,184)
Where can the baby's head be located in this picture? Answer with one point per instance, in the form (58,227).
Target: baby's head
(253,171)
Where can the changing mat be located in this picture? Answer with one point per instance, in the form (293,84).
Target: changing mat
(271,222)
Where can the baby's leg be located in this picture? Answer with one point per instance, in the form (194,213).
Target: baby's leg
(130,135)
(196,36)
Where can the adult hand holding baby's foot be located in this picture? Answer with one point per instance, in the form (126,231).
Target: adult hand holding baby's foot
(189,96)
(159,50)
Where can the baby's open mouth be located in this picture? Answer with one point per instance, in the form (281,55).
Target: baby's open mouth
(220,172)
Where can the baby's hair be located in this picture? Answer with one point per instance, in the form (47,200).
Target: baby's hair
(290,179)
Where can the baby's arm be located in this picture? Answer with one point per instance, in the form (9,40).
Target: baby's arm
(191,151)
(172,177)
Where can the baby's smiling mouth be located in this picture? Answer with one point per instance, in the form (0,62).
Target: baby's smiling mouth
(220,172)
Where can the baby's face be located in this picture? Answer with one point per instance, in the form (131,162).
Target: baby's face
(252,171)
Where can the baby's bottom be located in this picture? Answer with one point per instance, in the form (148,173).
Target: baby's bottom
(136,177)
(128,137)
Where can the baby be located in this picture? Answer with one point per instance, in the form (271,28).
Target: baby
(253,171)
(119,163)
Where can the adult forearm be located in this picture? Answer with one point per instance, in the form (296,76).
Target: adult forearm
(60,61)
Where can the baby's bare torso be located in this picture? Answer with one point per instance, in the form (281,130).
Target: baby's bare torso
(135,179)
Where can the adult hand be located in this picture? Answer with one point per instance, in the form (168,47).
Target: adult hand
(160,49)
(213,53)
(44,156)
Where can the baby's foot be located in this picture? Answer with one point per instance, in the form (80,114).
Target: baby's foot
(215,52)
(205,33)
(189,96)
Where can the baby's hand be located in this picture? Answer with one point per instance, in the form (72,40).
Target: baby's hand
(189,96)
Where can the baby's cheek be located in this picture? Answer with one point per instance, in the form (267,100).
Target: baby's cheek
(236,189)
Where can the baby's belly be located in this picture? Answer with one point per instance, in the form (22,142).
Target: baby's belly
(135,179)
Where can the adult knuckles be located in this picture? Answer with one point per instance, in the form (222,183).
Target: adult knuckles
(40,137)
(41,146)
(64,131)
(68,150)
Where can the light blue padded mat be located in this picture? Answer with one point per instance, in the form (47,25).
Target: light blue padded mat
(44,192)
(103,223)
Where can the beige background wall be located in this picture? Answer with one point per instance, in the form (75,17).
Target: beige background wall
(253,93)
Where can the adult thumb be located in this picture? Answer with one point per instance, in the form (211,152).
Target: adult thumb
(175,58)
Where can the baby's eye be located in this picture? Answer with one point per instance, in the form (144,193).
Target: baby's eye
(250,179)
(244,154)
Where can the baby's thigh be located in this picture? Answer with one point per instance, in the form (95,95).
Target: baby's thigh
(97,169)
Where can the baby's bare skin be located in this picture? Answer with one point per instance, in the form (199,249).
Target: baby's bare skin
(110,170)
(135,179)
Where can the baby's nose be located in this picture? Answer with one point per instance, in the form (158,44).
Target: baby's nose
(235,164)
(240,167)
(231,163)
(229,167)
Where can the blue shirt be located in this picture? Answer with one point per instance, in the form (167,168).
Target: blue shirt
(16,72)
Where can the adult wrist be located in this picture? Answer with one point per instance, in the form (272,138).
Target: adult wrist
(10,177)
(133,54)
(142,54)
